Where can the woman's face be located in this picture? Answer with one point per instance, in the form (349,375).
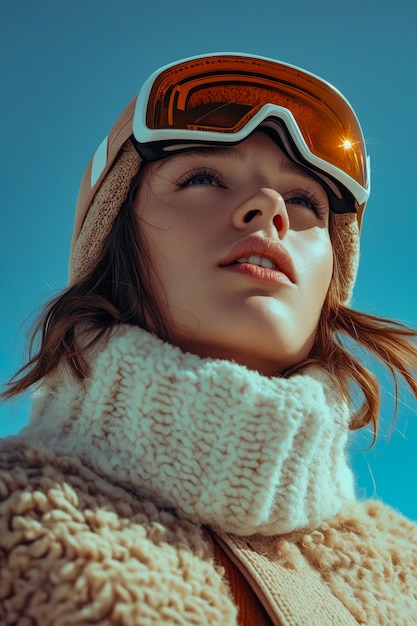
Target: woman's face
(239,241)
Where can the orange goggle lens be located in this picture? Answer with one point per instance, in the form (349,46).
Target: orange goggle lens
(222,94)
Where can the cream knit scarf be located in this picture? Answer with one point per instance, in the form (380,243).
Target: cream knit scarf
(220,444)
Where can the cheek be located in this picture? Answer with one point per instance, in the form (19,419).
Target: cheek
(325,270)
(319,267)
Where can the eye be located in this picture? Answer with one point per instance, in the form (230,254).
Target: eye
(300,200)
(201,176)
(313,201)
(202,180)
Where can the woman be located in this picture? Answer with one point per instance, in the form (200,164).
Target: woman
(185,460)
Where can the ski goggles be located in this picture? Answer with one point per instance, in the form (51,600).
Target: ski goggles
(223,98)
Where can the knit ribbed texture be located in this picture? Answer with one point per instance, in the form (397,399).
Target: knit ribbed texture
(103,211)
(220,444)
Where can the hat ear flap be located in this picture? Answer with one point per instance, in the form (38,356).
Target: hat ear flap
(344,234)
(102,213)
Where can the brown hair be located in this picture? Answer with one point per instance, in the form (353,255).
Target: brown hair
(118,290)
(341,337)
(115,291)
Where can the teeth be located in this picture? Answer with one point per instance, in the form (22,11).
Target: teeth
(261,261)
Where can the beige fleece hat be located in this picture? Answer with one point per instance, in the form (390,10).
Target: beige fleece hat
(106,184)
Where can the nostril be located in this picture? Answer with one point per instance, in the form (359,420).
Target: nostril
(278,223)
(250,215)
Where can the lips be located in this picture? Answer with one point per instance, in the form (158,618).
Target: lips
(254,246)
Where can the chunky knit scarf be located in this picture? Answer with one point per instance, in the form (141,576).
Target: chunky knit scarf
(216,442)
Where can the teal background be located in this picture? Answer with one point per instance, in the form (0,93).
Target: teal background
(69,67)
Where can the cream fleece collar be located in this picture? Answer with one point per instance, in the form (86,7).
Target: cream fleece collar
(220,444)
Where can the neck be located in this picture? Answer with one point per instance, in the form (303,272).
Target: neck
(274,366)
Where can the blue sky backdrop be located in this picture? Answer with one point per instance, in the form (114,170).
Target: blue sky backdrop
(68,68)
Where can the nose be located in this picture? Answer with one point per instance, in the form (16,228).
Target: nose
(266,208)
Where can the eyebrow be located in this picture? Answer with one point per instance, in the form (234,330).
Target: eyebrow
(237,152)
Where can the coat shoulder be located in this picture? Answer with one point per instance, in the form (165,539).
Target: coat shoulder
(367,555)
(72,544)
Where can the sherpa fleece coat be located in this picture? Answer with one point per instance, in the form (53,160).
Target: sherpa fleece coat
(91,534)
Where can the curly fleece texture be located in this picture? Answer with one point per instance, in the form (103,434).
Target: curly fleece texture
(220,444)
(75,549)
(368,557)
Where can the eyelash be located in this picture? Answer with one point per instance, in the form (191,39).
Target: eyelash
(314,201)
(200,172)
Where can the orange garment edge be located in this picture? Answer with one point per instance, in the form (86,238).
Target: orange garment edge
(251,610)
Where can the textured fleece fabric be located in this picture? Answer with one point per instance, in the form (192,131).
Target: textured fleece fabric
(103,211)
(76,550)
(220,444)
(359,567)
